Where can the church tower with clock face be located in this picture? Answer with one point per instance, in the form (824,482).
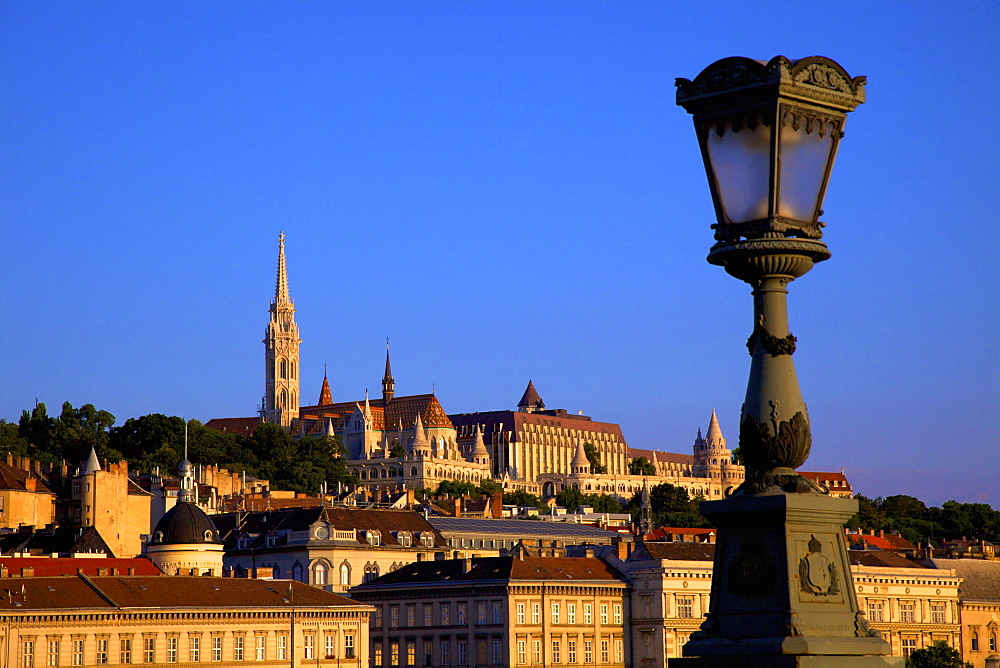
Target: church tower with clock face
(281,352)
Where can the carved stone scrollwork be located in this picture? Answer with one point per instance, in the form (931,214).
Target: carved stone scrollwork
(773,344)
(772,451)
(823,76)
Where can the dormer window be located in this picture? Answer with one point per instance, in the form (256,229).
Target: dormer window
(322,533)
(404,538)
(373,537)
(209,536)
(243,542)
(427,539)
(272,539)
(158,537)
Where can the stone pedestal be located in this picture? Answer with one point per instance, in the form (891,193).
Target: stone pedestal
(782,593)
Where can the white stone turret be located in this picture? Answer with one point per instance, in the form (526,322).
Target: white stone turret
(580,464)
(421,447)
(479,452)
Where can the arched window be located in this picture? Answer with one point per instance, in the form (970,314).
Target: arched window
(294,370)
(371,572)
(277,572)
(345,574)
(283,368)
(404,538)
(297,572)
(282,399)
(319,574)
(413,471)
(373,537)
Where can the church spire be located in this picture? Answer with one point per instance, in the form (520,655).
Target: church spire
(325,398)
(388,383)
(281,295)
(281,351)
(530,401)
(714,435)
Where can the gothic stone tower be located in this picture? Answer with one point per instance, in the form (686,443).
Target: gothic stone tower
(281,352)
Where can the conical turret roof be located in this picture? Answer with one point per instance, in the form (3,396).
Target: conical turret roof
(580,461)
(478,447)
(714,436)
(92,465)
(420,441)
(530,398)
(325,398)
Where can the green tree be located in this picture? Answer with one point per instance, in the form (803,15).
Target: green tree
(11,440)
(522,498)
(672,507)
(457,488)
(489,486)
(938,655)
(901,505)
(738,456)
(570,498)
(398,450)
(594,458)
(641,466)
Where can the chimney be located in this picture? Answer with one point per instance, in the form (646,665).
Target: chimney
(31,484)
(497,505)
(458,506)
(10,459)
(466,565)
(28,572)
(589,553)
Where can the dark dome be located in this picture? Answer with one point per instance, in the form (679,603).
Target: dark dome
(184,523)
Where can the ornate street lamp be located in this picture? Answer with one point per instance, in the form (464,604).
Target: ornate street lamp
(782,593)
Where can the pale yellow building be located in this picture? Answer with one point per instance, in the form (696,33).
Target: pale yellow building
(190,621)
(978,608)
(25,498)
(111,502)
(499,611)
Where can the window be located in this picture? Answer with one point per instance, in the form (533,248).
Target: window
(445,653)
(536,613)
(330,645)
(618,613)
(571,650)
(319,574)
(556,658)
(378,655)
(394,616)
(975,641)
(588,651)
(348,645)
(194,649)
(571,613)
(148,650)
(217,648)
(238,647)
(125,650)
(909,646)
(520,613)
(685,607)
(411,653)
(28,653)
(78,647)
(404,538)
(411,616)
(373,537)
(993,642)
(605,655)
(604,613)
(588,614)
(462,618)
(497,613)
(497,652)
(555,614)
(619,650)
(52,657)
(446,614)
(906,612)
(481,612)
(463,652)
(937,613)
(102,651)
(536,650)
(281,644)
(428,653)
(171,650)
(647,645)
(345,575)
(428,614)
(875,610)
(522,651)
(260,649)
(308,646)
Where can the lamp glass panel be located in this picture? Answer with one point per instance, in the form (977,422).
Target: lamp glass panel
(741,165)
(803,158)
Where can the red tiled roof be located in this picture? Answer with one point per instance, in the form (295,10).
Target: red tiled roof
(824,476)
(48,566)
(384,418)
(669,457)
(880,558)
(107,592)
(244,426)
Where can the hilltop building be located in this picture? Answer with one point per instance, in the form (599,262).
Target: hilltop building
(397,443)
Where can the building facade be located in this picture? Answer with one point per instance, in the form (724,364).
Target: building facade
(499,611)
(108,620)
(330,548)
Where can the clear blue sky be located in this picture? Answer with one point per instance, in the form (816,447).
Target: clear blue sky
(508,191)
